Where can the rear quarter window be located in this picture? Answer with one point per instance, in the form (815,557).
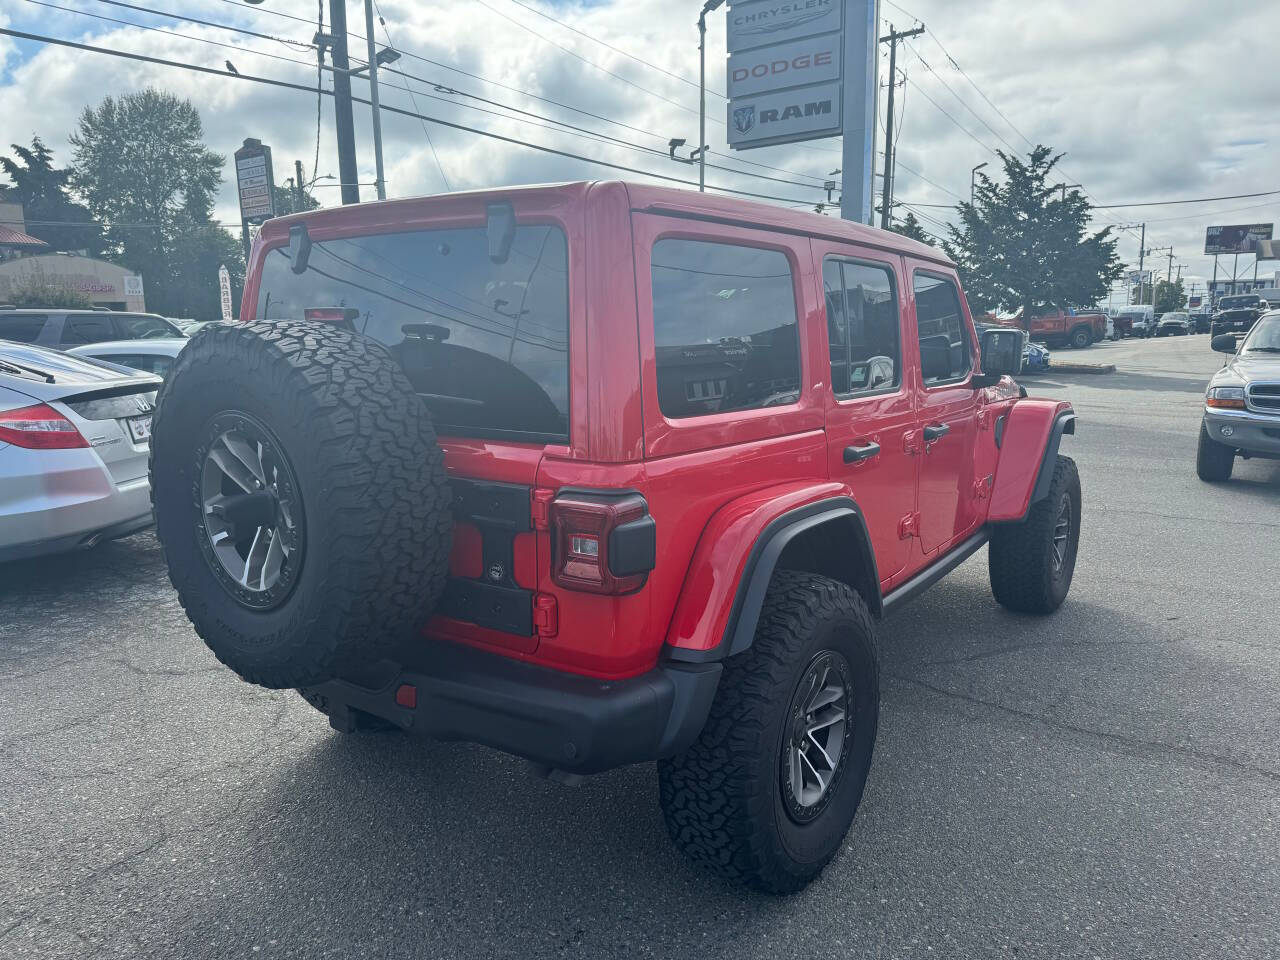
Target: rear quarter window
(485,344)
(725,332)
(21,328)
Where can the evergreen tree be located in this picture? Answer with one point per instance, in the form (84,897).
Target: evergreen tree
(909,226)
(1023,243)
(51,214)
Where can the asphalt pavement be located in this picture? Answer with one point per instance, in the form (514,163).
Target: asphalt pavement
(1101,783)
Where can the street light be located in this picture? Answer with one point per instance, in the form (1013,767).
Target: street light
(707,7)
(973,181)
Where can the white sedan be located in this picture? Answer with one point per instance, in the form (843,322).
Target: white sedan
(153,356)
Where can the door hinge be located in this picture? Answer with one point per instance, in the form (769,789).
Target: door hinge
(982,488)
(909,526)
(540,507)
(546,615)
(911,442)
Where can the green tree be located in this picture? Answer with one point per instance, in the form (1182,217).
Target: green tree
(51,214)
(141,165)
(1023,243)
(286,199)
(40,294)
(1170,297)
(909,226)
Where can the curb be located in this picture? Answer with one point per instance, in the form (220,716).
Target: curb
(1055,367)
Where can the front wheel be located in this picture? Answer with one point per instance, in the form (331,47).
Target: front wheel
(1031,563)
(1214,460)
(1081,338)
(767,792)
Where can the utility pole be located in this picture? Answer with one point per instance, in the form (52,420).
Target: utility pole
(348,177)
(1142,246)
(973,182)
(297,170)
(1068,186)
(378,181)
(892,39)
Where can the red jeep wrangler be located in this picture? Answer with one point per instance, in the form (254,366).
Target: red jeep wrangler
(601,474)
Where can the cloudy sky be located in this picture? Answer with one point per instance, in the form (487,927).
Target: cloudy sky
(1149,101)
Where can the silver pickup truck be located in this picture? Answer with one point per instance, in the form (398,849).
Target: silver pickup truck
(1242,402)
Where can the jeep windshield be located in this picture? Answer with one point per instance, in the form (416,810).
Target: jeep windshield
(485,343)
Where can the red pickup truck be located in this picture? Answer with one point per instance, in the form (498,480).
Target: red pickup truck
(1059,329)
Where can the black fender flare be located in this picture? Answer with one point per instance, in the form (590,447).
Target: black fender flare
(763,559)
(1065,422)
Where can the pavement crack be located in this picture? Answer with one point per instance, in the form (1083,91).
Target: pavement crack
(1138,743)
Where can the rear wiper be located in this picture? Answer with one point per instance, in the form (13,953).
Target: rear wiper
(9,367)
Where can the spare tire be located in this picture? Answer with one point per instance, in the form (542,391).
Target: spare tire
(300,498)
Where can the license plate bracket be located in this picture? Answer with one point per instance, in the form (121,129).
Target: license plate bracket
(139,428)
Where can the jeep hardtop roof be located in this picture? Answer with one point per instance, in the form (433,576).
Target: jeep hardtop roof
(642,197)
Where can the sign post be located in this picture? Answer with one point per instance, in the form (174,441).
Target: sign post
(804,70)
(254,180)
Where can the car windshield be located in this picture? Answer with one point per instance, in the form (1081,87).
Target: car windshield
(1237,303)
(1265,336)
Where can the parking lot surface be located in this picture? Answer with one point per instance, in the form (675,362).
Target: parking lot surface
(1101,783)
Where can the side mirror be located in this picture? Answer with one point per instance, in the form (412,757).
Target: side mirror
(1001,356)
(935,357)
(1224,343)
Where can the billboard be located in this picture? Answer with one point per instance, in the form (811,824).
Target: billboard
(1236,238)
(1135,277)
(784,70)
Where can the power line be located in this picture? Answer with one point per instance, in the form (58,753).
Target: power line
(605,43)
(937,76)
(40,38)
(1166,203)
(412,99)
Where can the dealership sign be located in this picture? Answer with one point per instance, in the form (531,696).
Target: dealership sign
(1236,238)
(784,71)
(253,181)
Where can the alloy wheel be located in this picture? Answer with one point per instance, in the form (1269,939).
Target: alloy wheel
(819,724)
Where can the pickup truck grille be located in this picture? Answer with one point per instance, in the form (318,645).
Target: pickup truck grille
(1264,397)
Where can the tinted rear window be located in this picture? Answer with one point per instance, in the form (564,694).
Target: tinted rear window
(486,344)
(724,328)
(135,327)
(87,328)
(23,327)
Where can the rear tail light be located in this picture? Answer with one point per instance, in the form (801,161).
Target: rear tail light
(601,543)
(344,317)
(39,428)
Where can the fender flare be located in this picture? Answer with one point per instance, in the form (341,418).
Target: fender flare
(1064,422)
(763,559)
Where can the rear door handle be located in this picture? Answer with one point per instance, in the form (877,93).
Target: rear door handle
(858,453)
(936,431)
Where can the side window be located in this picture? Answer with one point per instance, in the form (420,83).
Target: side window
(135,327)
(22,328)
(862,327)
(724,326)
(944,336)
(87,328)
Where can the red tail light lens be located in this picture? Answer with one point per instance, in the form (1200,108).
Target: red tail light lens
(338,316)
(601,543)
(39,428)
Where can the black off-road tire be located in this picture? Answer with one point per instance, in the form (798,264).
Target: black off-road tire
(722,798)
(1214,460)
(371,484)
(1021,561)
(1081,337)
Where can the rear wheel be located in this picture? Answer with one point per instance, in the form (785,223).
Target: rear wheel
(767,793)
(1081,337)
(1031,563)
(300,498)
(1214,460)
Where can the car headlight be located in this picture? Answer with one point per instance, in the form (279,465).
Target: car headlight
(1231,398)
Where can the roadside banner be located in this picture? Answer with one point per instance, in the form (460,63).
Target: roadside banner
(224,288)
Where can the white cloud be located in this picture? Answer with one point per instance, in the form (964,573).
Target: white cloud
(1148,102)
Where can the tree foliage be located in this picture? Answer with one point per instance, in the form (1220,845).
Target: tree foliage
(141,165)
(286,200)
(51,214)
(40,294)
(909,226)
(1170,297)
(1023,242)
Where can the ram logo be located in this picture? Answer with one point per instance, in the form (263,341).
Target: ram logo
(744,118)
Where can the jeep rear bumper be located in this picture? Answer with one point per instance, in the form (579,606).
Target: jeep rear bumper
(569,722)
